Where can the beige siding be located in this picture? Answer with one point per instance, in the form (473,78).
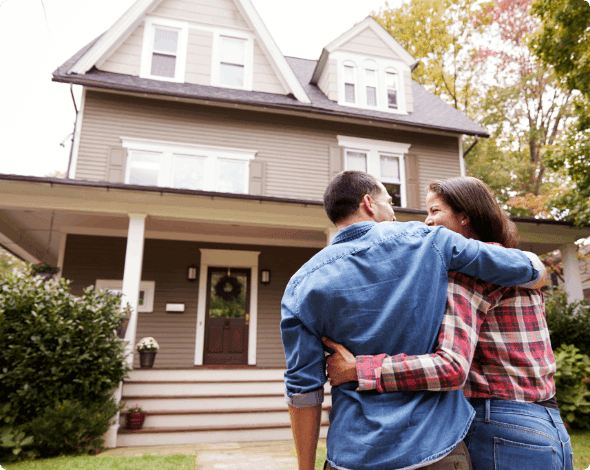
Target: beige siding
(329,80)
(126,59)
(176,333)
(198,58)
(218,13)
(367,42)
(265,78)
(409,95)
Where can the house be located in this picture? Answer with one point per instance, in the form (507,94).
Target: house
(199,162)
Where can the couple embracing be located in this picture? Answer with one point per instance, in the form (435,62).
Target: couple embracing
(402,353)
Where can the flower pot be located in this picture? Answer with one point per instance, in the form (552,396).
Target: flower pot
(134,420)
(146,359)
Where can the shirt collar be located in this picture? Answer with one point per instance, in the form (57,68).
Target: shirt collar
(352,232)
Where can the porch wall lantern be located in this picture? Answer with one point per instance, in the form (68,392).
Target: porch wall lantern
(191,273)
(265,276)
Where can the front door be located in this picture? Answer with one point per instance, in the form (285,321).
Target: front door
(227,317)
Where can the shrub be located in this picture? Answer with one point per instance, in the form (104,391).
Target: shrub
(57,348)
(571,381)
(568,323)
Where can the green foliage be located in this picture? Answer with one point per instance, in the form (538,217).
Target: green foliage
(563,41)
(57,348)
(43,268)
(145,462)
(571,382)
(568,323)
(9,262)
(73,427)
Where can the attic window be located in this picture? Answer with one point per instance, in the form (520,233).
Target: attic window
(392,86)
(349,84)
(371,86)
(164,52)
(233,58)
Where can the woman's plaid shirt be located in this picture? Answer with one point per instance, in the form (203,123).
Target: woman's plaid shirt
(500,331)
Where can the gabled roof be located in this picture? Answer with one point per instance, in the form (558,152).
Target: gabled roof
(106,44)
(368,23)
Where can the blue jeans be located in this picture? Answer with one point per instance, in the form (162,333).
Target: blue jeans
(509,435)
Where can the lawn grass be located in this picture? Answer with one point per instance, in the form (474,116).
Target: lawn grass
(580,445)
(145,462)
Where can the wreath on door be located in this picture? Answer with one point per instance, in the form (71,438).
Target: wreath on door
(228,288)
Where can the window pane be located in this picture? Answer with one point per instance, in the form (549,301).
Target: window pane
(144,168)
(189,172)
(371,78)
(165,41)
(356,161)
(231,176)
(349,93)
(395,191)
(371,96)
(349,74)
(233,50)
(163,65)
(392,99)
(389,168)
(143,176)
(391,80)
(231,75)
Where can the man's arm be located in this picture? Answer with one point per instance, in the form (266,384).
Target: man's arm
(445,369)
(305,423)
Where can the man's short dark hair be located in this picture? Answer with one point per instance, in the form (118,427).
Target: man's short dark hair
(346,191)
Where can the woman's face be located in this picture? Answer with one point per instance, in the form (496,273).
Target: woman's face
(439,213)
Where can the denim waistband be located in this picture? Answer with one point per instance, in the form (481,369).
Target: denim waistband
(550,403)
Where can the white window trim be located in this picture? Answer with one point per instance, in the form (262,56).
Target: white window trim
(148,44)
(380,65)
(374,149)
(212,154)
(248,60)
(234,259)
(149,287)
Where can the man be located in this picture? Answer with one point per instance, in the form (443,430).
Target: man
(380,287)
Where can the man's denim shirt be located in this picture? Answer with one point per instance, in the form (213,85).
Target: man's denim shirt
(382,288)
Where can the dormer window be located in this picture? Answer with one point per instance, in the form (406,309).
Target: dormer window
(371,86)
(349,83)
(233,59)
(163,55)
(392,87)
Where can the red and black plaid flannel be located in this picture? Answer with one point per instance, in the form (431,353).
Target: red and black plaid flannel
(500,331)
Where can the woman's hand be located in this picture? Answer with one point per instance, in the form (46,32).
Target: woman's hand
(341,365)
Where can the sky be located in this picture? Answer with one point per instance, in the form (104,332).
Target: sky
(36,36)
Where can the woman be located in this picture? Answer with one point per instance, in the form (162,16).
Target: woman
(493,342)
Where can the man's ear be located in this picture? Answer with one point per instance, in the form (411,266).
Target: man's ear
(367,205)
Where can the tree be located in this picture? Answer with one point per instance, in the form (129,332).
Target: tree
(563,41)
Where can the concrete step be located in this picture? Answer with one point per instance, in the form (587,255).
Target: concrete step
(216,418)
(249,374)
(197,435)
(202,389)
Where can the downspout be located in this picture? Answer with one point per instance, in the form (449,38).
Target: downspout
(74,134)
(471,146)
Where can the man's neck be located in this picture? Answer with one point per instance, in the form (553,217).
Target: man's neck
(353,219)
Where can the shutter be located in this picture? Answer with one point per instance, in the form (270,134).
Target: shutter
(257,177)
(116,166)
(336,160)
(409,96)
(412,181)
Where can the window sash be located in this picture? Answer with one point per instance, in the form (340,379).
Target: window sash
(233,51)
(356,160)
(390,168)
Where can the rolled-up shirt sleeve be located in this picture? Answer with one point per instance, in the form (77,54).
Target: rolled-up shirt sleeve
(305,375)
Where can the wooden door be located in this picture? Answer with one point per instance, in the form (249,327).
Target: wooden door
(227,316)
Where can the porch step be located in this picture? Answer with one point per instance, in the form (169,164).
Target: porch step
(204,406)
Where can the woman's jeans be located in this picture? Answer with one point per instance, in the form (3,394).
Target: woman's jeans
(509,435)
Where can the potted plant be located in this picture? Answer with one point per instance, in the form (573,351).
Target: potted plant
(147,347)
(45,270)
(134,417)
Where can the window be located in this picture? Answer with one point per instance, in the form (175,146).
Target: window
(187,167)
(164,50)
(392,85)
(146,292)
(356,161)
(232,62)
(371,87)
(391,177)
(349,83)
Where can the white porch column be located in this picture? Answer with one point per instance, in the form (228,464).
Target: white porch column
(571,272)
(132,278)
(330,234)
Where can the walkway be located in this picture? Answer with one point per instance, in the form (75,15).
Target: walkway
(271,455)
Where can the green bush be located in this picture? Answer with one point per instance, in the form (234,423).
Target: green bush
(571,381)
(58,351)
(568,323)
